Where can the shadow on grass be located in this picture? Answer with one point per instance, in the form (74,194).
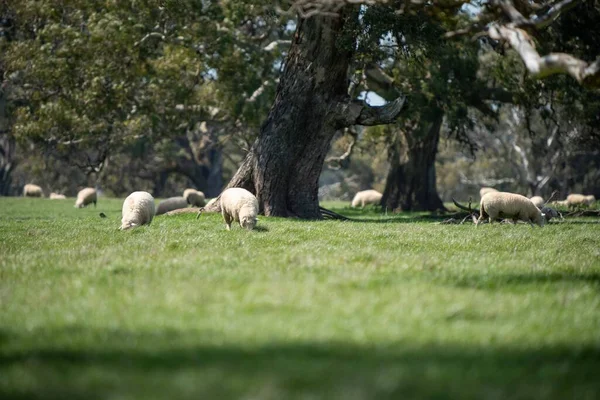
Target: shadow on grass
(500,281)
(157,363)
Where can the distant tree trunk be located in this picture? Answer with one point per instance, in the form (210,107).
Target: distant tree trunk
(311,104)
(7,147)
(410,184)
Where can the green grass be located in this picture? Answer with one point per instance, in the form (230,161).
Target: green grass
(395,307)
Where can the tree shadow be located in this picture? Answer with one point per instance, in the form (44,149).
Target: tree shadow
(126,364)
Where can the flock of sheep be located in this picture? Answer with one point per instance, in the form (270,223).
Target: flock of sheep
(236,204)
(241,206)
(496,205)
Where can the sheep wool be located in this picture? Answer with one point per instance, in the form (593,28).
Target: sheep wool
(194,197)
(138,209)
(31,190)
(579,200)
(239,205)
(498,205)
(57,196)
(366,197)
(170,204)
(485,190)
(85,197)
(538,201)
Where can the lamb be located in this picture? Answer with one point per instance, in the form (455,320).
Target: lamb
(57,196)
(538,201)
(579,200)
(194,197)
(485,190)
(366,197)
(31,190)
(170,204)
(240,205)
(86,197)
(497,205)
(138,209)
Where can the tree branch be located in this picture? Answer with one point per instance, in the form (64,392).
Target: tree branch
(553,63)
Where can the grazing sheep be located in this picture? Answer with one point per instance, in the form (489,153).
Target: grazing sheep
(194,197)
(31,190)
(560,203)
(579,200)
(85,197)
(366,197)
(170,204)
(498,205)
(538,201)
(57,196)
(238,204)
(485,190)
(138,209)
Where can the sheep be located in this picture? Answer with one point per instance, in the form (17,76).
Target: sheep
(138,209)
(240,205)
(579,200)
(170,204)
(57,196)
(497,205)
(85,197)
(31,190)
(194,197)
(484,190)
(538,201)
(366,197)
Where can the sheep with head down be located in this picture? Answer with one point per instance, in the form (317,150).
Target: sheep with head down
(138,209)
(85,197)
(579,200)
(31,190)
(499,205)
(366,197)
(239,205)
(194,197)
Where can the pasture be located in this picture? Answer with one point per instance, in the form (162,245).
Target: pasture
(391,307)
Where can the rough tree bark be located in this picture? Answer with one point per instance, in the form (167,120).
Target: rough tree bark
(410,184)
(311,104)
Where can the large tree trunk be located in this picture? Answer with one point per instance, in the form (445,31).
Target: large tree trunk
(410,183)
(311,104)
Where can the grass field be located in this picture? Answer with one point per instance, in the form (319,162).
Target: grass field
(391,307)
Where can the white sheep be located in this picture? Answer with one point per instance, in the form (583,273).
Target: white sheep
(538,201)
(170,204)
(366,197)
(31,190)
(240,205)
(138,209)
(194,197)
(57,196)
(498,205)
(85,197)
(579,200)
(485,190)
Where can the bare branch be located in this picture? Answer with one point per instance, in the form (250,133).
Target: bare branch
(553,63)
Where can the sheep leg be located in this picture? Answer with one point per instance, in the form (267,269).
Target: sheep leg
(227,219)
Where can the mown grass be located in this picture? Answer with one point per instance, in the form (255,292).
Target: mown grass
(396,307)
